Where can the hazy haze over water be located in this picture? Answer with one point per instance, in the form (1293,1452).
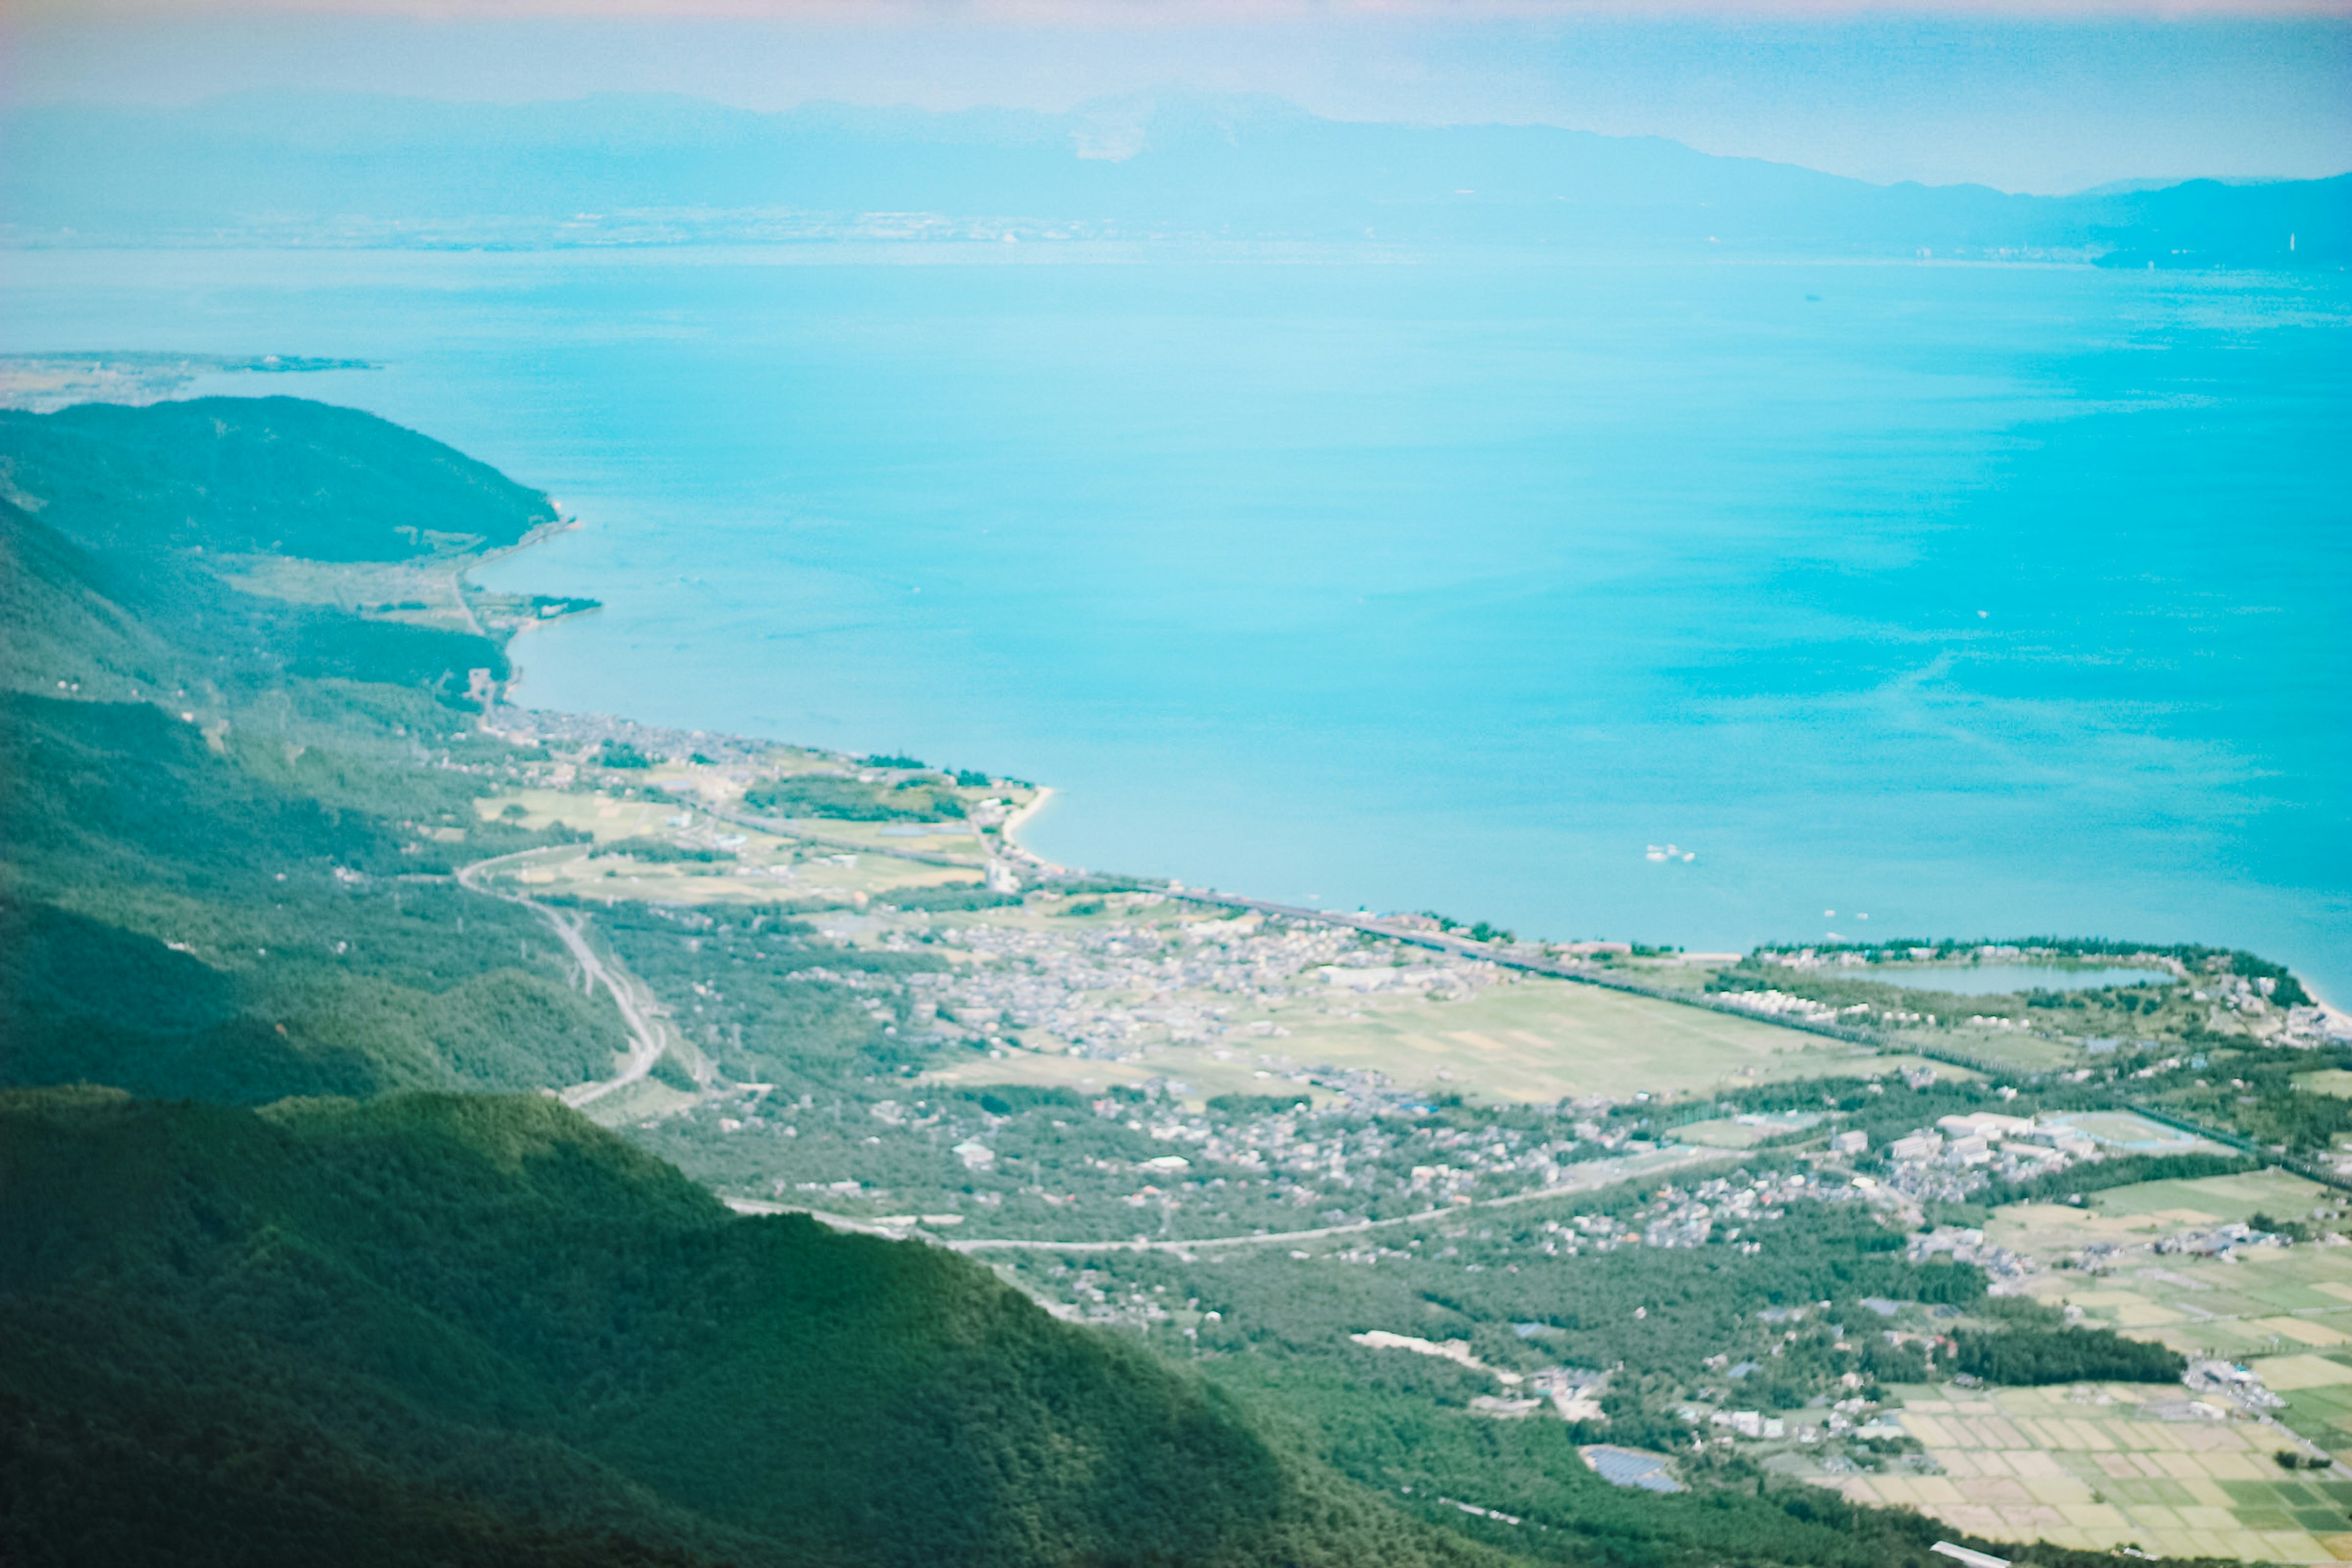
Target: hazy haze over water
(1982,600)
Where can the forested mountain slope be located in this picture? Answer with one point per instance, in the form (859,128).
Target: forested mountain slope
(227,823)
(278,474)
(387,1327)
(481,1330)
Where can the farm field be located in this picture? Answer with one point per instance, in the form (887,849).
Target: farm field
(1200,1074)
(2019,1052)
(2254,1303)
(767,868)
(1549,1039)
(1532,1041)
(2101,1466)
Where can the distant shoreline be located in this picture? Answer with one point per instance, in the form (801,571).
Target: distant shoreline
(1012,854)
(1019,819)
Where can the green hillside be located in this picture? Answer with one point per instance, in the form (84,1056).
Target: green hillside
(225,845)
(448,1328)
(126,619)
(267,474)
(373,1325)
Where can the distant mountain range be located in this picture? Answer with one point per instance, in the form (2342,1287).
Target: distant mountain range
(616,170)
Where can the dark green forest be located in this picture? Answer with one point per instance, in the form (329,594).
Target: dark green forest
(228,820)
(454,1329)
(281,475)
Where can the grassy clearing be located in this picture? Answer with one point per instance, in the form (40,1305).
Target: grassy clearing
(2217,1197)
(2020,1053)
(1202,1074)
(647,1100)
(419,592)
(1541,1040)
(1722,1134)
(767,867)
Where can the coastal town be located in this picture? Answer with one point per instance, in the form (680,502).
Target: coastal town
(971,963)
(1165,1112)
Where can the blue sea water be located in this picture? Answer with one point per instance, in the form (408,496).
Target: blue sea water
(1902,600)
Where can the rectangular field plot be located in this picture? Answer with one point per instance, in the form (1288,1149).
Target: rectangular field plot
(2128,1261)
(2318,1393)
(2099,1466)
(2130,1134)
(2216,1198)
(2002,1048)
(1545,1039)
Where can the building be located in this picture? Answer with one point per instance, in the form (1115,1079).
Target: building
(1853,1141)
(1986,1124)
(2066,1139)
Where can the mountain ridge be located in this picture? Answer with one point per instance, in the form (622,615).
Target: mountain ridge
(378,170)
(480,1326)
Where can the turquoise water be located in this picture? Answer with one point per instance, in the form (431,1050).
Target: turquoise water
(1956,601)
(2008,979)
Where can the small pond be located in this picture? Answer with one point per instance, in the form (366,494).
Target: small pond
(2003,979)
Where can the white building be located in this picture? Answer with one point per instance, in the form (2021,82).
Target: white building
(2066,1139)
(1989,1125)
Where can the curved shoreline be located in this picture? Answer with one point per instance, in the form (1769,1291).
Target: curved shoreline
(1007,833)
(1010,848)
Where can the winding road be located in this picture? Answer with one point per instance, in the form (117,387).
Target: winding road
(1594,1174)
(629,994)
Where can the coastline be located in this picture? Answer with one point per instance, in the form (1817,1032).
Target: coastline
(1008,833)
(500,692)
(1010,857)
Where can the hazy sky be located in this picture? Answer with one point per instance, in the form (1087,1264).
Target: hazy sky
(2018,96)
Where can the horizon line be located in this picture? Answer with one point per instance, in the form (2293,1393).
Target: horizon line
(2119,184)
(884,16)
